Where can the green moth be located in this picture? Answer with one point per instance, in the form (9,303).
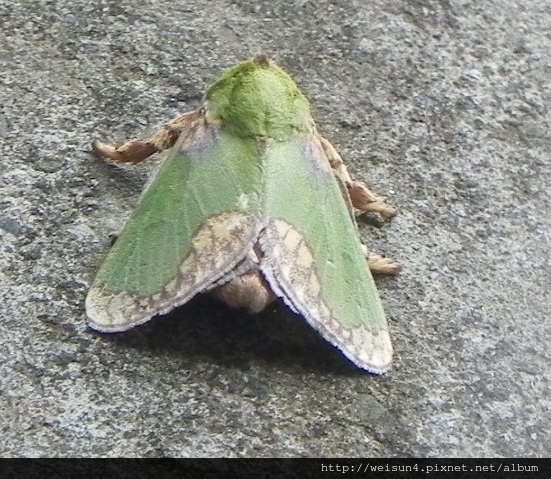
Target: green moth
(251,204)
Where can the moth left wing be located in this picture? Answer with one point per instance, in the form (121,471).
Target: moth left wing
(194,224)
(313,257)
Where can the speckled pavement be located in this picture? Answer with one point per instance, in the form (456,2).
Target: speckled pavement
(441,106)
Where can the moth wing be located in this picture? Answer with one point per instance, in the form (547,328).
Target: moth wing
(313,256)
(193,225)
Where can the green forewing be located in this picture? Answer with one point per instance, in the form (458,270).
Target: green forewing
(302,191)
(197,181)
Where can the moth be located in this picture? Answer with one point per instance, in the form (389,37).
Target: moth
(251,204)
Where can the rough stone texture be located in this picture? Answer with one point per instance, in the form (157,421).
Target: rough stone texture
(441,105)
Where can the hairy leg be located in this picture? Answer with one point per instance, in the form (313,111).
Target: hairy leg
(361,196)
(137,150)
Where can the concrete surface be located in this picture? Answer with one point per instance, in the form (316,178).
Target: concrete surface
(442,105)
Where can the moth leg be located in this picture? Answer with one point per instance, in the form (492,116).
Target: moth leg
(137,150)
(379,264)
(382,265)
(361,196)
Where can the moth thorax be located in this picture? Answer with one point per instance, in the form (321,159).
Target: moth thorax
(250,291)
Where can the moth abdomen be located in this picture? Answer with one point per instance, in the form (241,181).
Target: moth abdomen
(248,291)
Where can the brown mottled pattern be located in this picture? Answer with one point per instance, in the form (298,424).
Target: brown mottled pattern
(290,269)
(218,246)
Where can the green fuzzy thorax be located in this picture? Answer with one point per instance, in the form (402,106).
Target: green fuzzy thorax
(258,99)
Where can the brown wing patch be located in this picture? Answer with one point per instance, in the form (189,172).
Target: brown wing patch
(220,243)
(290,269)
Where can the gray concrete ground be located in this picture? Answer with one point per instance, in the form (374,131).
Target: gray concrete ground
(443,106)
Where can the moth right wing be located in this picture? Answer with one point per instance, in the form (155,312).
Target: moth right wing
(313,257)
(193,225)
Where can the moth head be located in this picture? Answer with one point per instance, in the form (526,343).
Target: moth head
(256,98)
